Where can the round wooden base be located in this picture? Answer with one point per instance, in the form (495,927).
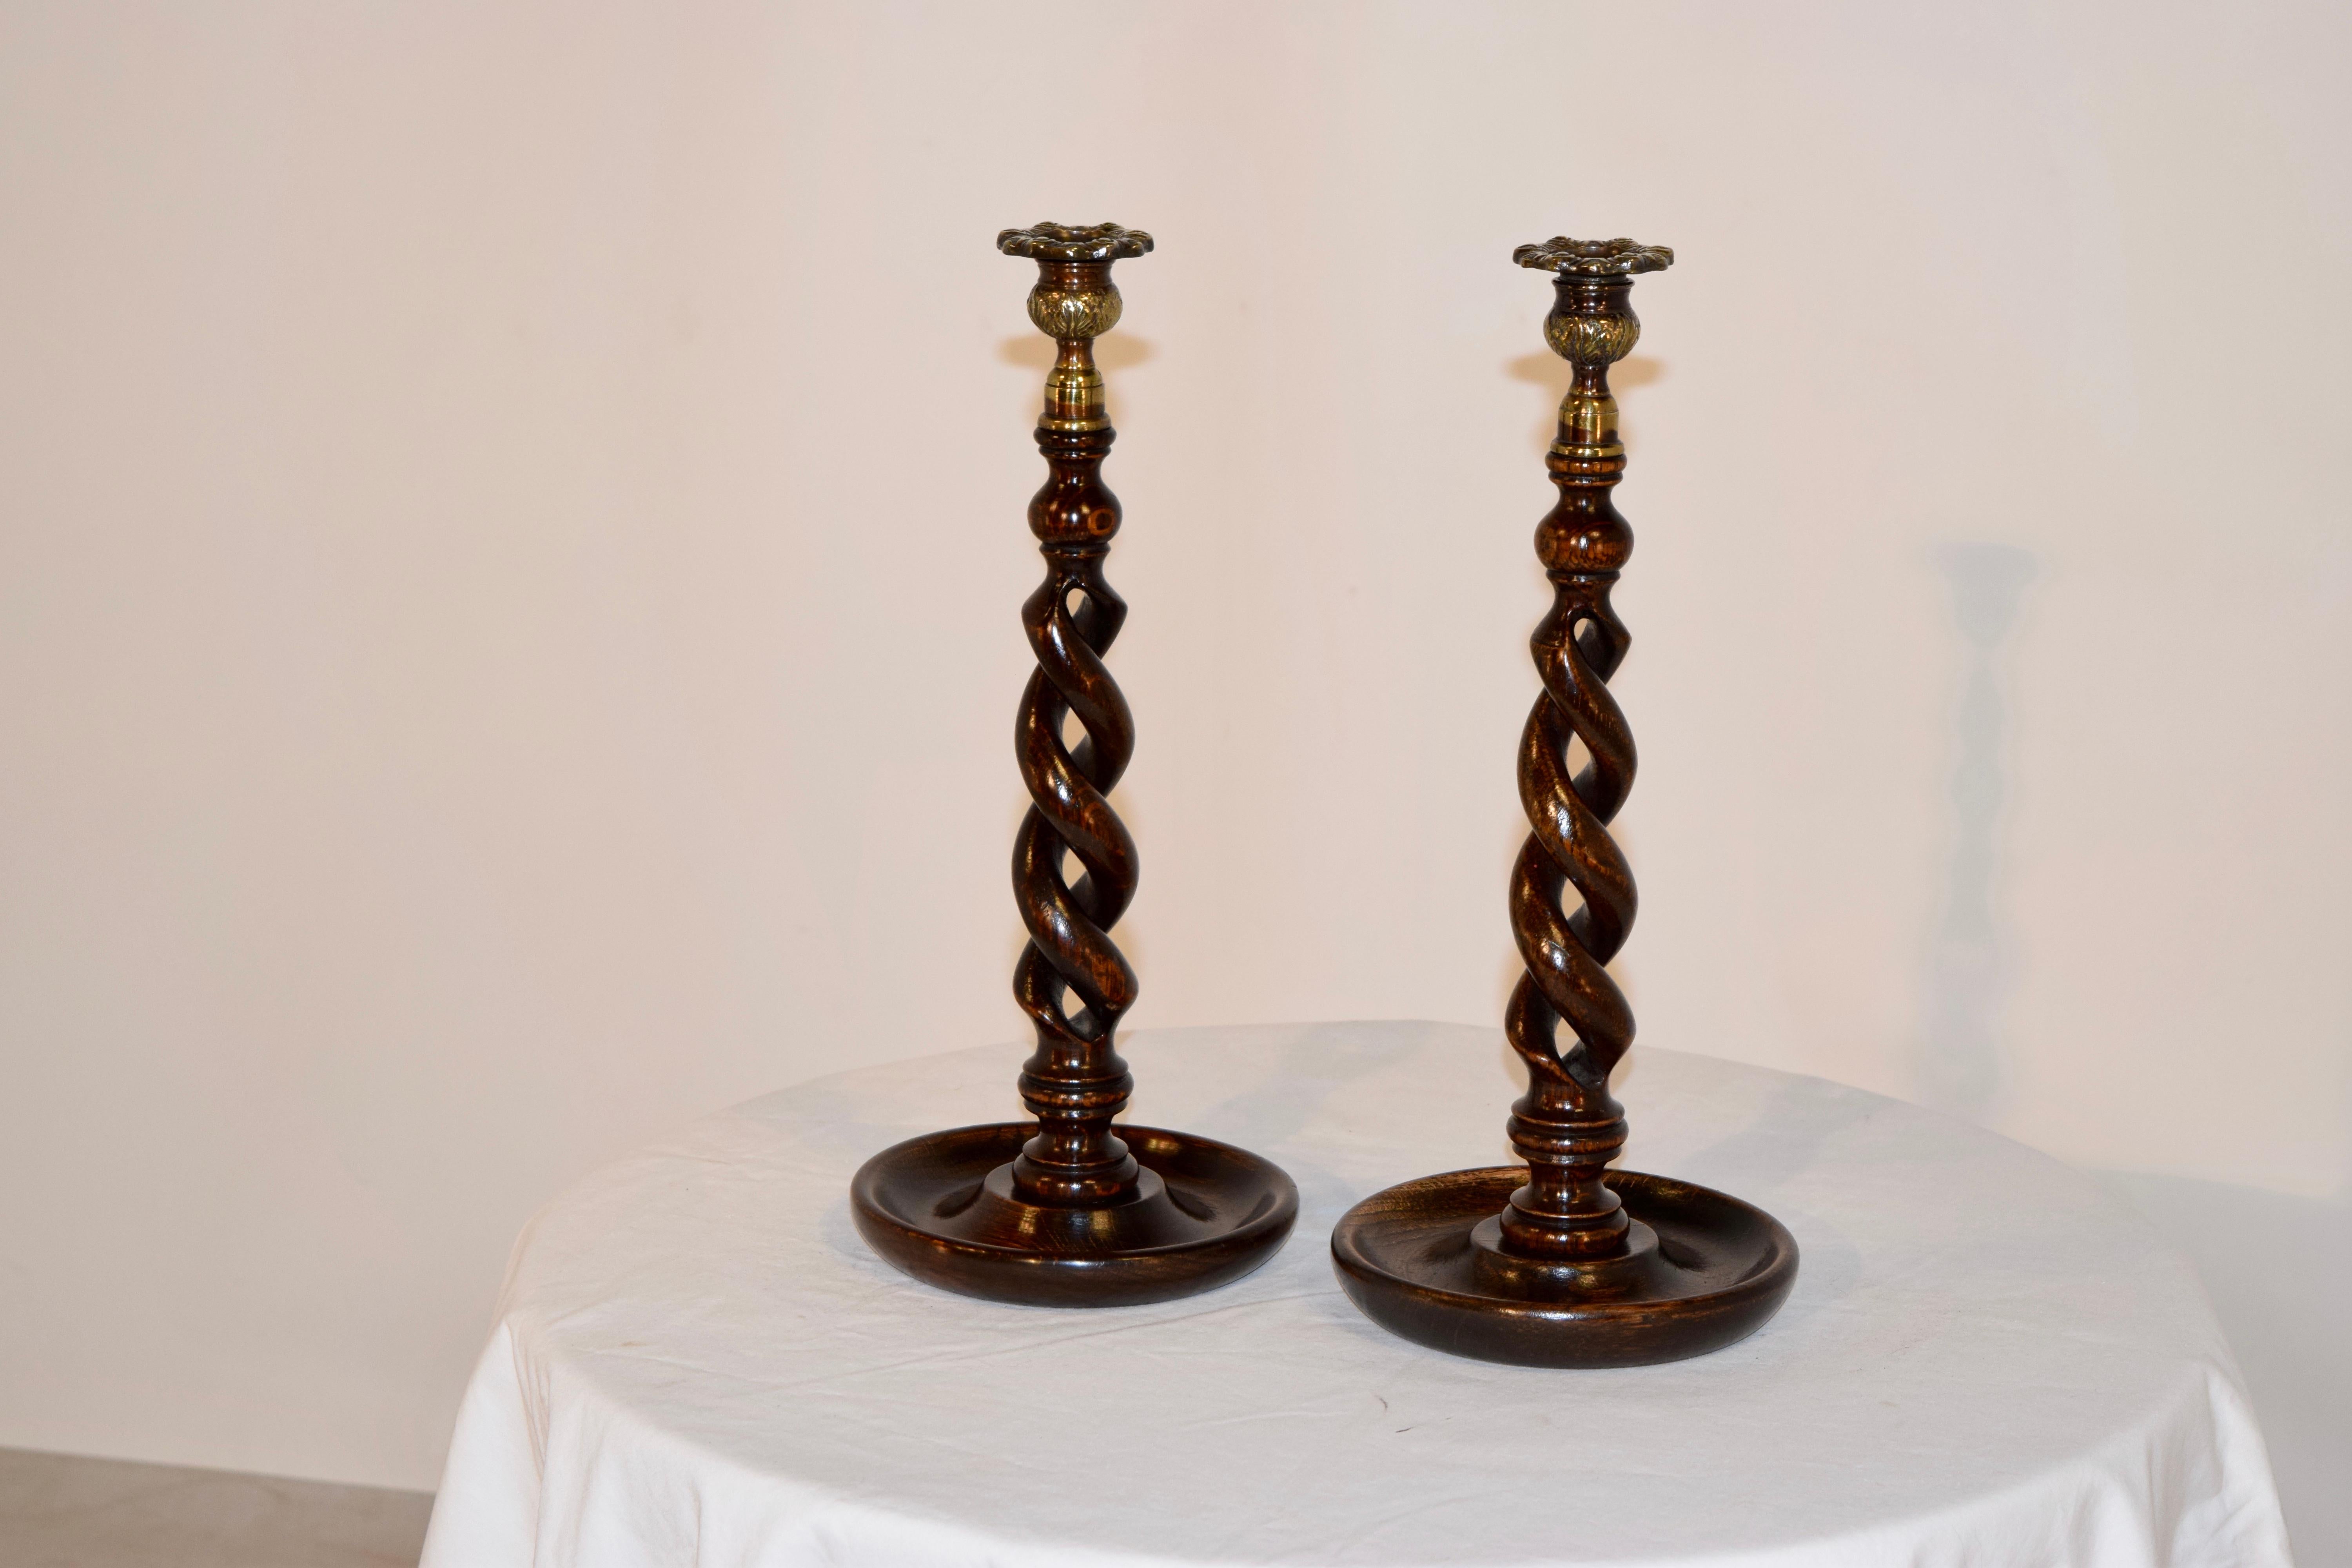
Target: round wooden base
(943,1208)
(1700,1270)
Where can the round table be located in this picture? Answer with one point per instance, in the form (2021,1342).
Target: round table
(1985,1361)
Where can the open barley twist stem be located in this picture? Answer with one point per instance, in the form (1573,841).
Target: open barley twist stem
(1071,978)
(1568,1126)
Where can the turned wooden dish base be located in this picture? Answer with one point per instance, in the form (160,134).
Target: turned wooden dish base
(942,1207)
(1700,1270)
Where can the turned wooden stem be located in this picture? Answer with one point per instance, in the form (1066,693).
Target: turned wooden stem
(1568,1126)
(1071,978)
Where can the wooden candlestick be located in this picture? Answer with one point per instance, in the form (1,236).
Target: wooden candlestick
(1561,1262)
(1066,1210)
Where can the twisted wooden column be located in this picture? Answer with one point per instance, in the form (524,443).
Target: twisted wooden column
(1568,1127)
(1076,1082)
(1062,1210)
(1565,1262)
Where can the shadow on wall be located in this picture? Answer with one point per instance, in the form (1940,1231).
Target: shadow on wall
(1972,957)
(2279,1270)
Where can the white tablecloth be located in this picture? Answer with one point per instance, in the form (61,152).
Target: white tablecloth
(1986,1363)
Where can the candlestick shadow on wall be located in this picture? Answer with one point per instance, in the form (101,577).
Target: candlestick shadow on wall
(1972,957)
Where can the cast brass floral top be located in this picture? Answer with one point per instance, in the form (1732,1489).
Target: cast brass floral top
(1593,258)
(1062,242)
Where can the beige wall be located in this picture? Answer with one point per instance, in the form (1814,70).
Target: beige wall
(512,529)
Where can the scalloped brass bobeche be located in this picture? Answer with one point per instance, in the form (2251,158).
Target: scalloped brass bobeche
(1066,242)
(1593,258)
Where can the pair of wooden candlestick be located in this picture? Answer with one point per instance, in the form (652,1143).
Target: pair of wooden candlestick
(1557,1263)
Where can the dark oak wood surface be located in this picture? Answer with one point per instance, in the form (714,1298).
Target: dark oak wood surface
(1068,1210)
(1564,1263)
